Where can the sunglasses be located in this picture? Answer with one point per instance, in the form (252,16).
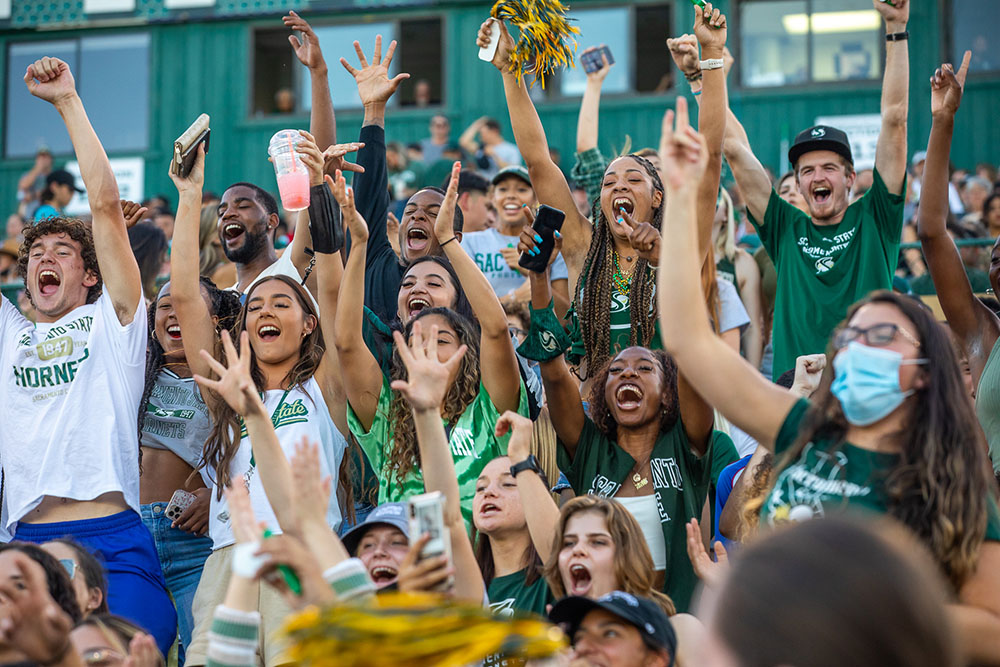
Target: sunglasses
(69,565)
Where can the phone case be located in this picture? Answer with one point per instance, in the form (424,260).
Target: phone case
(487,53)
(426,516)
(592,61)
(548,221)
(186,146)
(179,502)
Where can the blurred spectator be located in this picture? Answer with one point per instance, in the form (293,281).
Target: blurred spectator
(917,172)
(580,197)
(439,170)
(414,152)
(472,190)
(32,183)
(987,171)
(862,183)
(59,188)
(432,148)
(492,153)
(164,219)
(284,101)
(979,279)
(156,201)
(422,93)
(8,261)
(974,195)
(405,175)
(991,215)
(15,227)
(149,245)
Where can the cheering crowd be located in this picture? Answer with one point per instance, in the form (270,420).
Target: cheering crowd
(630,435)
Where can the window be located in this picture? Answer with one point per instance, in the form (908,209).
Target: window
(100,64)
(282,85)
(972,24)
(786,42)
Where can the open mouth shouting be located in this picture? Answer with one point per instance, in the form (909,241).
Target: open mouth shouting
(417,303)
(383,575)
(268,333)
(628,396)
(620,203)
(580,580)
(489,509)
(174,332)
(417,239)
(48,282)
(821,194)
(232,232)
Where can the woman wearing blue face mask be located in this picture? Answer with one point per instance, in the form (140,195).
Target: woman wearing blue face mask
(890,430)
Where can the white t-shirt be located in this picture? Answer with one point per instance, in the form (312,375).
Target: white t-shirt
(484,248)
(176,418)
(294,415)
(70,404)
(733,314)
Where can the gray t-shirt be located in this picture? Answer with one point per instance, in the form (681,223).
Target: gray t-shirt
(733,314)
(484,248)
(176,418)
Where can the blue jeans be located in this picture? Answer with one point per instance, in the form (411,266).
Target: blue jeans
(136,589)
(182,557)
(361,512)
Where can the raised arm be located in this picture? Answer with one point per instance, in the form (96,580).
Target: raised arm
(468,138)
(371,188)
(50,79)
(541,510)
(424,389)
(890,153)
(590,105)
(546,178)
(497,361)
(197,326)
(973,323)
(361,374)
(713,369)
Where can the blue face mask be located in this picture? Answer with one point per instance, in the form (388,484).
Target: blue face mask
(866,382)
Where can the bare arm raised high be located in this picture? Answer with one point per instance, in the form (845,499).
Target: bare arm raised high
(890,153)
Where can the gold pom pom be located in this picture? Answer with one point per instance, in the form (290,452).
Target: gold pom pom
(546,36)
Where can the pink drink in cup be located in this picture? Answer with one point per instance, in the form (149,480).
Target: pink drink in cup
(293,178)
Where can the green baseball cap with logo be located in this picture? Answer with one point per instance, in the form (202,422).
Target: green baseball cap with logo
(514,170)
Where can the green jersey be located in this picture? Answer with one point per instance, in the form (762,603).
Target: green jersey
(823,269)
(825,479)
(472,441)
(680,481)
(510,593)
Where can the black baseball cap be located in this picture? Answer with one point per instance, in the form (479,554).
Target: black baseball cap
(820,138)
(62,177)
(647,617)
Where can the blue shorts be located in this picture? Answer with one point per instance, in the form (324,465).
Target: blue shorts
(136,589)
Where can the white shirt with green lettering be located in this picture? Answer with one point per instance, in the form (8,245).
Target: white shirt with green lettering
(69,405)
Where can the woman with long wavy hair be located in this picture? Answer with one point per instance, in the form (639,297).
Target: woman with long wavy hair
(486,384)
(297,378)
(890,430)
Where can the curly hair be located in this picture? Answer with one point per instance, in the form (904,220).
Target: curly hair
(224,440)
(56,578)
(940,486)
(601,415)
(225,305)
(404,455)
(78,231)
(593,301)
(633,564)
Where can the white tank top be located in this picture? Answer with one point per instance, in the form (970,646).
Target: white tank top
(295,414)
(643,508)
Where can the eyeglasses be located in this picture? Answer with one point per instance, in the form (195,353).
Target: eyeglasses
(515,331)
(102,657)
(70,566)
(879,335)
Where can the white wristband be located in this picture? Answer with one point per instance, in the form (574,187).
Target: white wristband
(712,63)
(246,562)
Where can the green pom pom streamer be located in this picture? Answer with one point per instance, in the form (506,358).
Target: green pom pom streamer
(546,42)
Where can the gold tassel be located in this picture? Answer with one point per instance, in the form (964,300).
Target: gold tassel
(546,36)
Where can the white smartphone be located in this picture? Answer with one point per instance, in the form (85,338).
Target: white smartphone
(426,515)
(179,502)
(487,52)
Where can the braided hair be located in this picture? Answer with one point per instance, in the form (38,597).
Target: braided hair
(593,301)
(225,305)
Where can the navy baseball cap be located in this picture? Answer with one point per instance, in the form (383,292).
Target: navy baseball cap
(820,138)
(647,617)
(62,177)
(389,514)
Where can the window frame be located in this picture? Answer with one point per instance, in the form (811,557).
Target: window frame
(392,18)
(949,53)
(736,28)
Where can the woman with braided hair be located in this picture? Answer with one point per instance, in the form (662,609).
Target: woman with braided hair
(174,424)
(611,262)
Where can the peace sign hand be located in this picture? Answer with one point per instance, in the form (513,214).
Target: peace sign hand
(235,385)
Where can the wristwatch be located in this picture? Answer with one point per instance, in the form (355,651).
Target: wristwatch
(530,463)
(712,63)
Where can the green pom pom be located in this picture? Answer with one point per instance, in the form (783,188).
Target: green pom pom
(546,42)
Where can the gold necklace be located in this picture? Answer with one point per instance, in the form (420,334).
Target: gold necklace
(638,481)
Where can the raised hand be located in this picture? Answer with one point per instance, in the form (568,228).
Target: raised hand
(329,161)
(529,240)
(290,551)
(195,180)
(333,157)
(501,59)
(308,52)
(311,156)
(642,236)
(427,575)
(602,72)
(444,227)
(895,13)
(428,378)
(947,87)
(345,197)
(374,84)
(246,528)
(31,621)
(50,79)
(710,27)
(235,385)
(684,51)
(808,373)
(133,212)
(142,652)
(521,430)
(310,493)
(711,572)
(683,152)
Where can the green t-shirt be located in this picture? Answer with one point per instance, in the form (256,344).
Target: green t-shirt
(473,445)
(510,593)
(822,270)
(825,479)
(620,320)
(680,481)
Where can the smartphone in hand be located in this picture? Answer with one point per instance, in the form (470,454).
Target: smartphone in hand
(592,61)
(548,221)
(426,515)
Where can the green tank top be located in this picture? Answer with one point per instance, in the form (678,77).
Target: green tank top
(988,404)
(726,270)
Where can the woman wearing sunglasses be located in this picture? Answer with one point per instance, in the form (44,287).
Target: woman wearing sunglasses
(85,573)
(890,429)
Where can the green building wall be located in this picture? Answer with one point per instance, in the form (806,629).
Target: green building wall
(207,67)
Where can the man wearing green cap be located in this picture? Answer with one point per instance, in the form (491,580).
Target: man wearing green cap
(840,252)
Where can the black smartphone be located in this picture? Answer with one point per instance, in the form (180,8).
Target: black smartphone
(592,61)
(548,221)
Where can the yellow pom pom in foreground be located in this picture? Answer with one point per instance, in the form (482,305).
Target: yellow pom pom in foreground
(546,35)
